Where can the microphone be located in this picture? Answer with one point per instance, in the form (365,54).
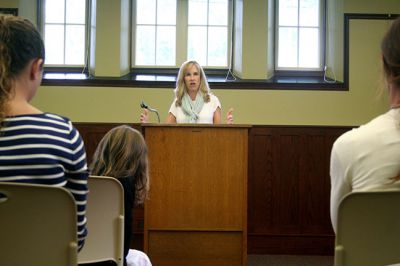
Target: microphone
(145,106)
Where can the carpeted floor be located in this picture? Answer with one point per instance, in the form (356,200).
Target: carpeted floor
(289,260)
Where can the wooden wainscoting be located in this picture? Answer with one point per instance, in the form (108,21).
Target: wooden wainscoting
(288,187)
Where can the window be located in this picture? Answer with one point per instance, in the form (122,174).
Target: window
(299,34)
(155,32)
(208,32)
(202,34)
(64,32)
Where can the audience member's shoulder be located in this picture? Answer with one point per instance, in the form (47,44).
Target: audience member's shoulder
(57,117)
(60,120)
(363,133)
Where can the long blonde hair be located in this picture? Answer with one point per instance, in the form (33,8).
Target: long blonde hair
(122,152)
(181,86)
(20,42)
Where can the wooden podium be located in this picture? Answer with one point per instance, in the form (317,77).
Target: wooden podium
(196,213)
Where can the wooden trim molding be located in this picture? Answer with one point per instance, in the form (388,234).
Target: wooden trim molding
(12,11)
(168,82)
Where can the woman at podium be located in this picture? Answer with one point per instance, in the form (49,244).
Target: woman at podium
(194,102)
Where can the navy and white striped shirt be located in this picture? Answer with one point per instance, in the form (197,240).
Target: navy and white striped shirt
(46,149)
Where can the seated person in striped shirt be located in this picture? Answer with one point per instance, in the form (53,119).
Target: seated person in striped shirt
(35,147)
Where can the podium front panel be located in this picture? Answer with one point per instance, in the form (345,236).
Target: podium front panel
(198,189)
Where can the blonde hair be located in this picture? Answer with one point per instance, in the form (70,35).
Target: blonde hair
(121,153)
(181,86)
(20,43)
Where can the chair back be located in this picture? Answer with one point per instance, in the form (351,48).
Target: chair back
(105,221)
(368,229)
(38,225)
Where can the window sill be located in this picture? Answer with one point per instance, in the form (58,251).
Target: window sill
(216,81)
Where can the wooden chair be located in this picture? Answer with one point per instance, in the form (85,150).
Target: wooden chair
(37,225)
(368,229)
(105,221)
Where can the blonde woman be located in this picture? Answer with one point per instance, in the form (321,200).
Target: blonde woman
(194,102)
(122,154)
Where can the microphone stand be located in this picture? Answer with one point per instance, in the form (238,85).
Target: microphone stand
(145,106)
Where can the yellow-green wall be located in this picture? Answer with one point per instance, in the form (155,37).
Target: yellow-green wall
(9,3)
(270,107)
(26,8)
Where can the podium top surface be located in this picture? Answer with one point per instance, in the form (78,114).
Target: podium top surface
(196,125)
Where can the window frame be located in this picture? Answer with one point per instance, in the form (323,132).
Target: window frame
(300,71)
(66,67)
(181,38)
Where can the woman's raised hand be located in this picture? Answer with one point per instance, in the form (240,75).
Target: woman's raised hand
(229,116)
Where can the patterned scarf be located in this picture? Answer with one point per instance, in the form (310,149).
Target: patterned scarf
(190,108)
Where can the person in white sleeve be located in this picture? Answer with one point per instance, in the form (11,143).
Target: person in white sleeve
(368,158)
